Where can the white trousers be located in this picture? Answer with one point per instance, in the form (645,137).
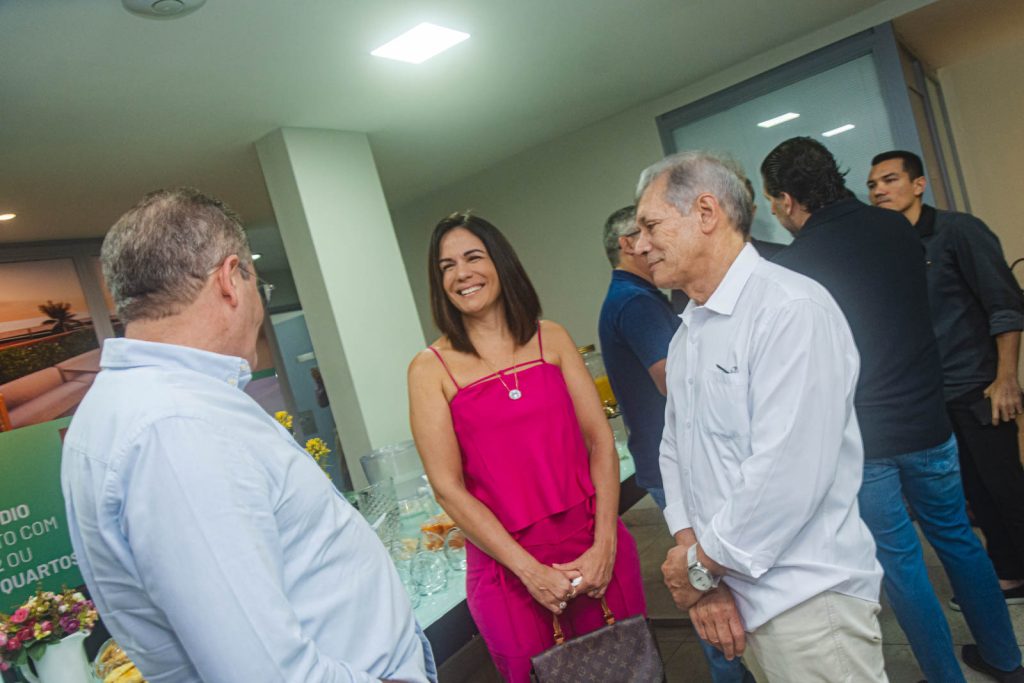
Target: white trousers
(831,638)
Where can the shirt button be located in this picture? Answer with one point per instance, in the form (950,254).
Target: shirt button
(689,381)
(687,424)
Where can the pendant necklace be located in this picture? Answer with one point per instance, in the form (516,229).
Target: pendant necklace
(513,394)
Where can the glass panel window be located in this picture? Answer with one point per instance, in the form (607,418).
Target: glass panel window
(843,107)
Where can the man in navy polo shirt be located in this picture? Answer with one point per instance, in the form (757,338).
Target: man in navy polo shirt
(635,328)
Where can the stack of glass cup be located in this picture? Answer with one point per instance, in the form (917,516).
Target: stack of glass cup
(378,504)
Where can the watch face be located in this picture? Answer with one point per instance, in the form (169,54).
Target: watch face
(701,579)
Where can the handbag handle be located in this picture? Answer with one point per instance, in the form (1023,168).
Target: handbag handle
(609,619)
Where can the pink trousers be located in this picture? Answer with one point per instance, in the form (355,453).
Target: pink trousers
(514,626)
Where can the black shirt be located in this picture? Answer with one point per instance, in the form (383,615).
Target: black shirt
(973,295)
(872,263)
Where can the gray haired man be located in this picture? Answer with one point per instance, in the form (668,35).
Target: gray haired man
(761,456)
(213,545)
(636,327)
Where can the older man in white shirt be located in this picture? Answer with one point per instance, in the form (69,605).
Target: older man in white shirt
(761,455)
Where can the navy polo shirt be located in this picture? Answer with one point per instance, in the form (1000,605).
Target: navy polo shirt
(635,328)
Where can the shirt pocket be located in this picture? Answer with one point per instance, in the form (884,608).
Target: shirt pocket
(722,407)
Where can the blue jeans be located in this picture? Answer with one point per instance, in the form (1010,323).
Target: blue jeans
(722,670)
(930,481)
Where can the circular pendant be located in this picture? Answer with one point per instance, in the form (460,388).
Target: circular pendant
(515,394)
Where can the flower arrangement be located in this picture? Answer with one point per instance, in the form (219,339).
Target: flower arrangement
(285,418)
(44,619)
(316,447)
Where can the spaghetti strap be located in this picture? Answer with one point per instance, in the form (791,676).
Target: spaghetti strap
(540,342)
(446,368)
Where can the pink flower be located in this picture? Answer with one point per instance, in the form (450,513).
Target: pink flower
(13,644)
(25,634)
(20,615)
(3,638)
(4,666)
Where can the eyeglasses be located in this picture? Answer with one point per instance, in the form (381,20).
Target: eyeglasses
(265,287)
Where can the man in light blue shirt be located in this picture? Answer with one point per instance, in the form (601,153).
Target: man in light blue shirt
(212,544)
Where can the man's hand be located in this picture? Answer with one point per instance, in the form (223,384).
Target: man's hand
(719,622)
(677,579)
(1005,396)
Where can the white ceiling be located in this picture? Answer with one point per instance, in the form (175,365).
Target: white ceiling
(98,106)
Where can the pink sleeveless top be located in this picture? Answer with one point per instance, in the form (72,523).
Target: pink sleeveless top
(526,459)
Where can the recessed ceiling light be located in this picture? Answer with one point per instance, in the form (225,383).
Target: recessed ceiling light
(779,119)
(162,9)
(257,257)
(837,131)
(7,216)
(420,44)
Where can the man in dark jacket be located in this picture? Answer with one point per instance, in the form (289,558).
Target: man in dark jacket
(872,263)
(978,313)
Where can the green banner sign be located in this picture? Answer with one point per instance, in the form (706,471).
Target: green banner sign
(35,548)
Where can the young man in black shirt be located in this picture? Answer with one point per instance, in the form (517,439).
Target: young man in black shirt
(872,263)
(978,313)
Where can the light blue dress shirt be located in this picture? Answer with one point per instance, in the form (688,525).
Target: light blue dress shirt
(213,545)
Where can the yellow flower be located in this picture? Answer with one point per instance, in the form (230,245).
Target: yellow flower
(317,448)
(284,418)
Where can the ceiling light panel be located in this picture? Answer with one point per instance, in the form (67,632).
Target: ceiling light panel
(419,44)
(789,116)
(7,216)
(837,131)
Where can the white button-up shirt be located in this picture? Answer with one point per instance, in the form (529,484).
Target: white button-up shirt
(762,454)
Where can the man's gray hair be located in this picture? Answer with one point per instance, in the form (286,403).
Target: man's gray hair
(693,173)
(617,225)
(159,254)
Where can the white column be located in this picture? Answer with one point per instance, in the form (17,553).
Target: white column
(350,277)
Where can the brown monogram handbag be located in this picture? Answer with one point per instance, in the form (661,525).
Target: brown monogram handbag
(621,652)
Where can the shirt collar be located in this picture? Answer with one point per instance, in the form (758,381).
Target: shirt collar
(626,276)
(727,293)
(926,221)
(133,353)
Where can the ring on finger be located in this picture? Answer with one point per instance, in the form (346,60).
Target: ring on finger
(561,605)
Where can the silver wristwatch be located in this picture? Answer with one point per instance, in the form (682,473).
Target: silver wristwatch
(700,577)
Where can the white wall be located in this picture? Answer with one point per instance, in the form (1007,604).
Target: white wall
(551,201)
(989,138)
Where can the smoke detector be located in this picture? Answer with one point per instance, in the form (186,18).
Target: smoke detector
(162,9)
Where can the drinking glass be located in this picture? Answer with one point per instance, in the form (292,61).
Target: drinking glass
(402,555)
(431,541)
(455,549)
(429,572)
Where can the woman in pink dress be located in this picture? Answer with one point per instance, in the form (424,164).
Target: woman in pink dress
(519,453)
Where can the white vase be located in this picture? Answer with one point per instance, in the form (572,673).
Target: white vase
(62,662)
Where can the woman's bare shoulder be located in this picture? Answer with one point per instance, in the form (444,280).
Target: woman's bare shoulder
(424,364)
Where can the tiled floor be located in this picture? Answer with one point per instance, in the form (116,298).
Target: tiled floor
(676,638)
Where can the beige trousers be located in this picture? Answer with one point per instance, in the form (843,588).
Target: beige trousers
(831,638)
